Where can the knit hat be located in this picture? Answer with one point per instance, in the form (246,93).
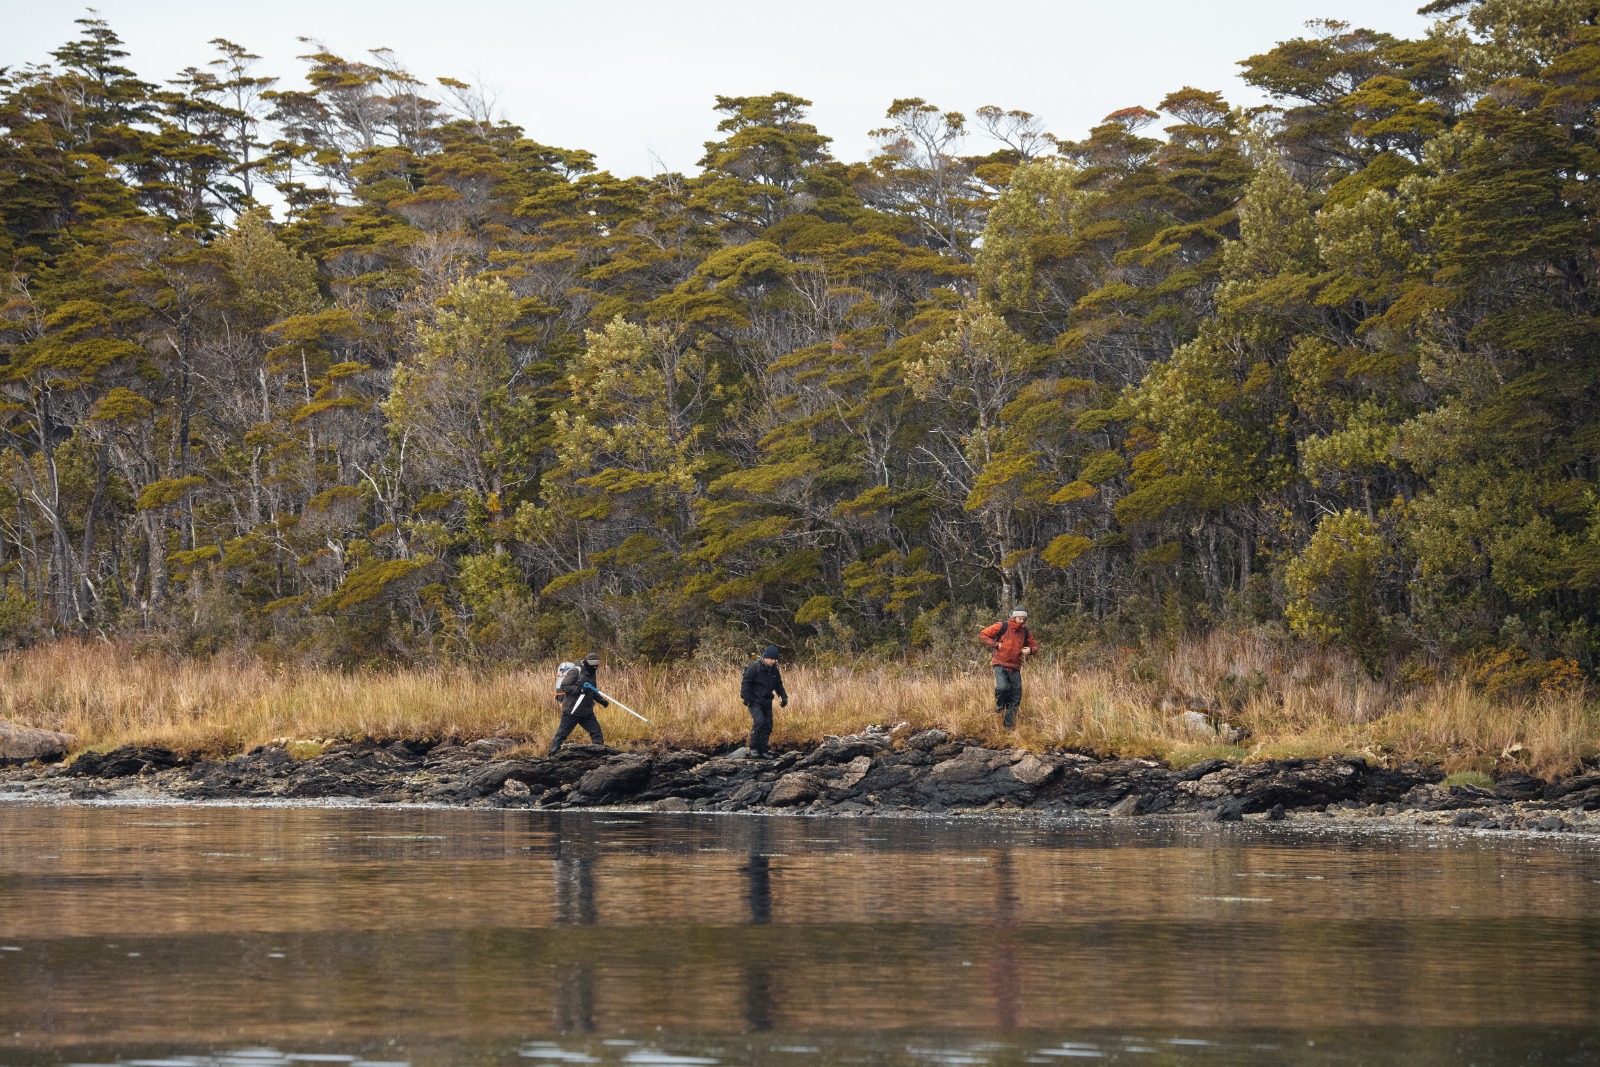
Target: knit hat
(771,652)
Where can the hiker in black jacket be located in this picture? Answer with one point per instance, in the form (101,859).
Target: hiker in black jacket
(577,703)
(761,680)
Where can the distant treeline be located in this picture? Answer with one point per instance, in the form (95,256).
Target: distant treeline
(1330,364)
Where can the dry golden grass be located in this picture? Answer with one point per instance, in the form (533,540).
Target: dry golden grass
(1296,701)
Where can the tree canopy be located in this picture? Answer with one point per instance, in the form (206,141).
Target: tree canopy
(358,369)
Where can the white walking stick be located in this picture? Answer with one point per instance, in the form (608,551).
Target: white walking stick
(617,702)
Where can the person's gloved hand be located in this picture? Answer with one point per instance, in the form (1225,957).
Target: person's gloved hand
(783,702)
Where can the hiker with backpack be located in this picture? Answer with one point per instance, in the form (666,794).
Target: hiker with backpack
(577,693)
(1012,642)
(761,681)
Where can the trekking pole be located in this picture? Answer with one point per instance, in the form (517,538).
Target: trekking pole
(618,703)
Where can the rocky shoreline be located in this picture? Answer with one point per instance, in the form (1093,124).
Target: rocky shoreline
(877,772)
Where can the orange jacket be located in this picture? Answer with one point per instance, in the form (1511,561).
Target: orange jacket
(1008,649)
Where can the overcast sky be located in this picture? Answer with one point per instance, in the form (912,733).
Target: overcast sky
(633,80)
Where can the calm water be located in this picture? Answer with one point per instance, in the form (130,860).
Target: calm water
(271,936)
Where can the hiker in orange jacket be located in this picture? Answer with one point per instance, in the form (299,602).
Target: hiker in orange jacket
(1012,642)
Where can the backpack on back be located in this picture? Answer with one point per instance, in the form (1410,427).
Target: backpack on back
(561,675)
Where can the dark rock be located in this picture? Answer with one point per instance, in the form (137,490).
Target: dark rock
(1226,810)
(1275,813)
(24,744)
(676,762)
(1127,807)
(671,804)
(1578,791)
(751,792)
(126,762)
(927,740)
(797,787)
(1033,772)
(1551,823)
(845,749)
(1585,800)
(1296,784)
(1200,770)
(492,778)
(617,778)
(1467,818)
(1449,798)
(1479,797)
(976,776)
(1577,783)
(1519,786)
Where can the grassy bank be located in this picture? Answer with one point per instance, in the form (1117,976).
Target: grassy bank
(1294,701)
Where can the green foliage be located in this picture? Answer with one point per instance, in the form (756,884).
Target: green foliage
(1334,585)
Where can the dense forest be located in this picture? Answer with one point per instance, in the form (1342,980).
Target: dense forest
(358,371)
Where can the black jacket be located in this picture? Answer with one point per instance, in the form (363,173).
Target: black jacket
(760,682)
(571,687)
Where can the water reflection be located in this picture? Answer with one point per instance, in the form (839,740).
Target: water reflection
(573,900)
(454,936)
(758,977)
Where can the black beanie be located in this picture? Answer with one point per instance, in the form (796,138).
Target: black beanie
(771,652)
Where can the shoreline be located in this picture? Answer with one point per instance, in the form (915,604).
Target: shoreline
(876,773)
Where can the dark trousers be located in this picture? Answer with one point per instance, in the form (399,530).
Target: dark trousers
(760,726)
(1008,693)
(580,714)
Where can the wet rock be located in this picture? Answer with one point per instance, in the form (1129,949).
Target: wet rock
(927,740)
(971,765)
(975,776)
(1519,786)
(515,790)
(1200,770)
(24,744)
(1580,791)
(1227,810)
(1032,771)
(1127,807)
(1297,784)
(797,787)
(751,792)
(620,777)
(854,771)
(1100,785)
(1551,823)
(493,778)
(1436,797)
(1275,813)
(845,749)
(742,752)
(125,762)
(671,804)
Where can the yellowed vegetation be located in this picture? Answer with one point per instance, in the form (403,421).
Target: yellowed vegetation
(1295,701)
